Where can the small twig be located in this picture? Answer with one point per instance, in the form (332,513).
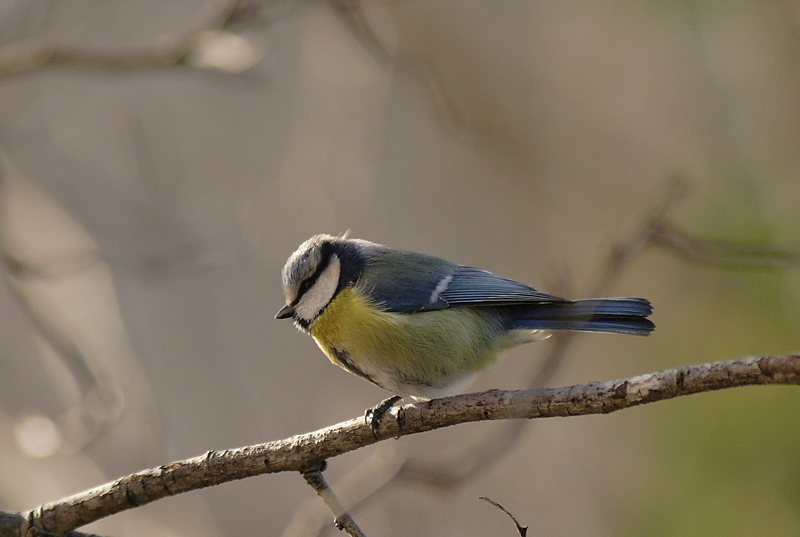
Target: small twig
(299,452)
(341,517)
(523,530)
(364,481)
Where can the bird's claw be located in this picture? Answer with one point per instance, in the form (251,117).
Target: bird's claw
(372,416)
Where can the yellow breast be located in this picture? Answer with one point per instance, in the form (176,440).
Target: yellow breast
(393,350)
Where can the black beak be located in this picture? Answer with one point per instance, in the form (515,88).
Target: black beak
(285,313)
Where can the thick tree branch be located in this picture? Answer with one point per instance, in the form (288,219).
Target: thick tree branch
(300,452)
(11,524)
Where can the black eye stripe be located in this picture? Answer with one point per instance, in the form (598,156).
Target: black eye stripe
(309,282)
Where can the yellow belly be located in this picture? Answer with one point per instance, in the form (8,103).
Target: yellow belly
(406,353)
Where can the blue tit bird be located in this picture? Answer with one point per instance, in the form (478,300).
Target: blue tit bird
(419,326)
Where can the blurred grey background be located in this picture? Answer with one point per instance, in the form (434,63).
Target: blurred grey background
(147,209)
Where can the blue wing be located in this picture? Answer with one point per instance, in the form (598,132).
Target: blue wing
(405,282)
(481,288)
(408,282)
(416,282)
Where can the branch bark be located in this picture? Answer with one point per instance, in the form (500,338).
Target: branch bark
(342,519)
(304,452)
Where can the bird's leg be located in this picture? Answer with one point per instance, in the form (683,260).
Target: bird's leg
(373,415)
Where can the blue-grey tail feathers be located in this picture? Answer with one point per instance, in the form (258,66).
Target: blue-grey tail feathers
(613,315)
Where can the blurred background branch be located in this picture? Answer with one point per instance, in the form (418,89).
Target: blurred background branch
(210,44)
(721,253)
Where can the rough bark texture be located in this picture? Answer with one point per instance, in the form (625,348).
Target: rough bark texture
(304,452)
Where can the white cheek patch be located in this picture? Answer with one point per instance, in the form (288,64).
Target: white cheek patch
(316,298)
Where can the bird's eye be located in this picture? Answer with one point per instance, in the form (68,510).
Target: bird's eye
(304,286)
